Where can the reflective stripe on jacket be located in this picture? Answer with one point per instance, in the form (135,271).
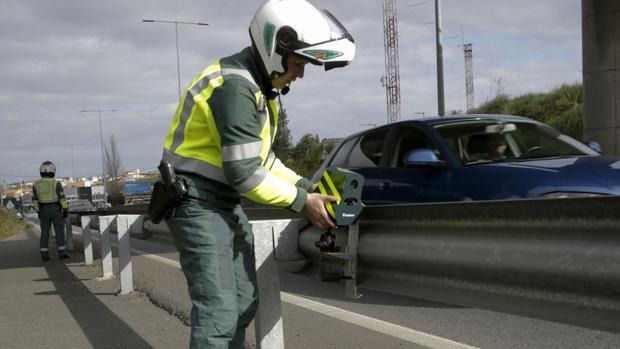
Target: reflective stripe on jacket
(223,130)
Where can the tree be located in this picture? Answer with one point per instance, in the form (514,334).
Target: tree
(282,144)
(2,186)
(113,171)
(307,155)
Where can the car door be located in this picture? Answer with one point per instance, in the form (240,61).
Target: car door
(403,184)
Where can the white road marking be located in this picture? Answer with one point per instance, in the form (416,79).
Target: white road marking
(397,331)
(157,258)
(390,329)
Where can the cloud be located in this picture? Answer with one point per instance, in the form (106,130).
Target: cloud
(60,57)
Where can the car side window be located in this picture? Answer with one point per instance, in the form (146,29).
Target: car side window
(341,156)
(411,138)
(367,152)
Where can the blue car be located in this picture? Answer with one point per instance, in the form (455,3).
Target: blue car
(473,157)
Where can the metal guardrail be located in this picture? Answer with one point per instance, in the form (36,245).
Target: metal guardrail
(553,259)
(254,212)
(556,260)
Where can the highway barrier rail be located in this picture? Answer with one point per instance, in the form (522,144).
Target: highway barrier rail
(552,259)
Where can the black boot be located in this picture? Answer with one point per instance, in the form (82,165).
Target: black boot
(45,256)
(62,254)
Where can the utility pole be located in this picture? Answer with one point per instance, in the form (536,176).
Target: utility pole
(391,79)
(21,197)
(176,33)
(440,90)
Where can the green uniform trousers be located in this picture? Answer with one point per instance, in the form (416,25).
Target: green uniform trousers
(51,214)
(216,248)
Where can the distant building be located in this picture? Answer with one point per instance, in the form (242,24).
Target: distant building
(98,196)
(132,175)
(137,192)
(71,194)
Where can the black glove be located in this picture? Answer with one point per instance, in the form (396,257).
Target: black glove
(64,214)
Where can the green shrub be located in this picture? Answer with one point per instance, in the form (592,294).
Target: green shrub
(561,108)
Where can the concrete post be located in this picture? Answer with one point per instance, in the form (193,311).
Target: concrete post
(86,240)
(68,234)
(601,73)
(126,223)
(268,321)
(106,251)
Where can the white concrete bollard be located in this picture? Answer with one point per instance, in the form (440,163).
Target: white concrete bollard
(126,223)
(68,234)
(267,236)
(86,240)
(106,251)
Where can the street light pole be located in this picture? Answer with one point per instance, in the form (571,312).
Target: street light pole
(99,111)
(176,33)
(72,163)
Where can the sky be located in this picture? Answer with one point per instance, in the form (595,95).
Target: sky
(60,57)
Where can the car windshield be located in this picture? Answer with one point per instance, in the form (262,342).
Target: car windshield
(480,141)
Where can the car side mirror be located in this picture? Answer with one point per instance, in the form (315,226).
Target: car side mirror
(422,157)
(595,146)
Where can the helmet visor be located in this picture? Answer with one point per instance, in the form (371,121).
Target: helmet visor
(338,51)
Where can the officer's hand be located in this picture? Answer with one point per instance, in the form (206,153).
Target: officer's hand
(315,210)
(64,214)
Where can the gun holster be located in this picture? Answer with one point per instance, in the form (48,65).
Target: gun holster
(167,192)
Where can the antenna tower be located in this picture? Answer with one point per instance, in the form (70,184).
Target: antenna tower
(391,79)
(469,75)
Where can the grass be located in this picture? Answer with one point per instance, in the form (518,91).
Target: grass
(10,224)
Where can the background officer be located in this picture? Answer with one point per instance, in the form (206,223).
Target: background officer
(220,144)
(48,199)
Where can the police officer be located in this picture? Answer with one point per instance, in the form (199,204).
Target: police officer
(48,199)
(220,144)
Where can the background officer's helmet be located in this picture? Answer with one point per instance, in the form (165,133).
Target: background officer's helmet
(47,169)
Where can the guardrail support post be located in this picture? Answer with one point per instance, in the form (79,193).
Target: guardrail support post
(106,251)
(69,234)
(124,224)
(350,266)
(268,325)
(86,240)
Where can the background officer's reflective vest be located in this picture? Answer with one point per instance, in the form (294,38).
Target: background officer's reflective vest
(47,193)
(193,143)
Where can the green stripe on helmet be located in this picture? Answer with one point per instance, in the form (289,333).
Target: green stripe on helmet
(268,32)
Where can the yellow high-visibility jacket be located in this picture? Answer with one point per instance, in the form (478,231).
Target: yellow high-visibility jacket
(223,130)
(47,191)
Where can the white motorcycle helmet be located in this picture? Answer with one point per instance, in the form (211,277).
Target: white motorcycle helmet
(281,27)
(48,168)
